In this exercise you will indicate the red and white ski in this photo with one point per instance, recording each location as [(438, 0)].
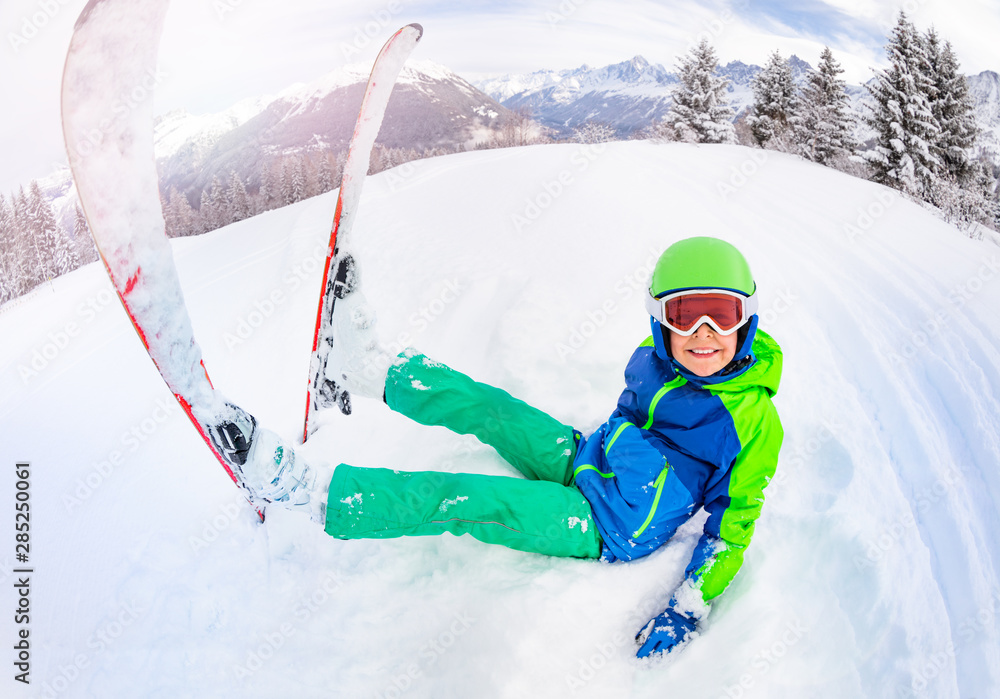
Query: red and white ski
[(339, 272), (112, 57)]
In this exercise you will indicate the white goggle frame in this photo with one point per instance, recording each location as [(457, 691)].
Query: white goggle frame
[(657, 307)]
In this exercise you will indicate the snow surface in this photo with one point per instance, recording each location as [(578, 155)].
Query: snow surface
[(874, 568)]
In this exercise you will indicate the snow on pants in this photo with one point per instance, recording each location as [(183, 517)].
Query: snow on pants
[(542, 513)]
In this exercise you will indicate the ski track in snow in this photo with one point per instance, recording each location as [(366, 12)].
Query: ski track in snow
[(873, 571)]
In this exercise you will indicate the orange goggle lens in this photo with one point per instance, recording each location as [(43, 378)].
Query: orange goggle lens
[(683, 312)]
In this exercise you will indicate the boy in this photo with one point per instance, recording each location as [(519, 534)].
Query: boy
[(694, 427)]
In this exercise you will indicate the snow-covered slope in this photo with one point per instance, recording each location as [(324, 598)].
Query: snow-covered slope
[(873, 571)]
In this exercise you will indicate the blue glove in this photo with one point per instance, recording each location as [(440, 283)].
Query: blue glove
[(664, 632)]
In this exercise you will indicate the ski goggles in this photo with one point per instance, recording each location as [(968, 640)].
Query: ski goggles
[(684, 311)]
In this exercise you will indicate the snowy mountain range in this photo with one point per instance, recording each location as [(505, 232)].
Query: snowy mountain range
[(632, 94), (628, 95), (433, 107)]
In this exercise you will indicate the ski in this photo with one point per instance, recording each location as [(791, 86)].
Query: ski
[(112, 54), (339, 272)]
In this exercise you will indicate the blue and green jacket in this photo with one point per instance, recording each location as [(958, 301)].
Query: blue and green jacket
[(676, 444)]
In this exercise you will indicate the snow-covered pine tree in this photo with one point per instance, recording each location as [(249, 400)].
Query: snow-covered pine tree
[(8, 268), (824, 126), (269, 194), (237, 199), (297, 181), (85, 246), (205, 216), (57, 253), (67, 255), (44, 232), (700, 111), (310, 177), (292, 181), (25, 253), (905, 127), (954, 111), (179, 217), (326, 173), (220, 203), (213, 211), (774, 104), (187, 217), (967, 206), (169, 219)]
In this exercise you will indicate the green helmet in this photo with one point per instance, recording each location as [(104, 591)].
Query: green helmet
[(701, 263)]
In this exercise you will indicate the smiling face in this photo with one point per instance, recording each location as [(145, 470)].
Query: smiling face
[(705, 352)]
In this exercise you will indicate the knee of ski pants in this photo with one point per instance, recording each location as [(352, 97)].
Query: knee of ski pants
[(431, 393)]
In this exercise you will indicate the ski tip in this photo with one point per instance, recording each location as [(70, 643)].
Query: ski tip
[(419, 28)]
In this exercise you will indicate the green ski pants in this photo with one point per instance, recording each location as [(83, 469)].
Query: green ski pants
[(541, 513)]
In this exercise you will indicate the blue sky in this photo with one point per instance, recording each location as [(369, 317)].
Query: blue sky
[(810, 18), (215, 56)]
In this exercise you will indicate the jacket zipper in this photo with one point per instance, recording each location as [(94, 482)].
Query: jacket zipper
[(677, 381), (660, 480)]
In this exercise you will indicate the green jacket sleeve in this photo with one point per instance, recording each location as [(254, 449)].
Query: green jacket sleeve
[(735, 504)]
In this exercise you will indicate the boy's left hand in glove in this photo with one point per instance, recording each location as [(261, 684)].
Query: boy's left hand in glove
[(665, 632)]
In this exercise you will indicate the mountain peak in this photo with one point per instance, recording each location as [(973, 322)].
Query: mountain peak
[(639, 63)]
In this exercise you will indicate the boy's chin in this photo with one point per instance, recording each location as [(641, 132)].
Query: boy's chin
[(701, 368)]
